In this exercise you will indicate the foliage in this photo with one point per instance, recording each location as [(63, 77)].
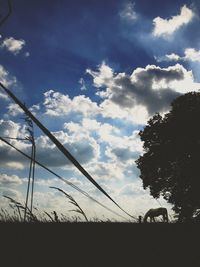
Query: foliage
[(170, 165)]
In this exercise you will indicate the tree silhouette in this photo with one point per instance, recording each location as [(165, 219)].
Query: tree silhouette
[(170, 165)]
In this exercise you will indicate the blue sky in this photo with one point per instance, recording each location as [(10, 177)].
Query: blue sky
[(93, 72)]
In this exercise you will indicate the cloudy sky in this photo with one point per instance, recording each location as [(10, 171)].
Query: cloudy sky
[(93, 72)]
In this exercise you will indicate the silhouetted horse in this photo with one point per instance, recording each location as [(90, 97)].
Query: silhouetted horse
[(152, 213)]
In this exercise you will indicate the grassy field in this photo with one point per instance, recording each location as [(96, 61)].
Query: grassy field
[(100, 244)]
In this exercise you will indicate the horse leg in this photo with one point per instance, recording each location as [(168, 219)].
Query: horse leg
[(166, 217)]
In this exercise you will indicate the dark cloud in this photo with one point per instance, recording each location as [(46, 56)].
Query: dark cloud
[(83, 149), (124, 154), (137, 89), (9, 128)]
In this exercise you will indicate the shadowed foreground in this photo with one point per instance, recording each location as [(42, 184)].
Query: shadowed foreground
[(100, 244)]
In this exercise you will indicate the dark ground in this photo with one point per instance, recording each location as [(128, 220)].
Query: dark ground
[(99, 244)]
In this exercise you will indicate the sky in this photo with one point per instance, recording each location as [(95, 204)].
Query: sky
[(93, 72)]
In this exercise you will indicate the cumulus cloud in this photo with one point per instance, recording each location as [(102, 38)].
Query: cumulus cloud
[(8, 157), (103, 76), (7, 180), (35, 109), (132, 189), (105, 133), (57, 104), (168, 57), (128, 12), (120, 149), (122, 154), (190, 54), (14, 109), (173, 57), (83, 148), (7, 80), (13, 45), (106, 171), (43, 183), (166, 27), (144, 92), (9, 128)]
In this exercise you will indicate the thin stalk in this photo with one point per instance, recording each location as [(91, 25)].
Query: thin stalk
[(72, 201), (67, 154), (64, 180), (29, 178), (33, 175)]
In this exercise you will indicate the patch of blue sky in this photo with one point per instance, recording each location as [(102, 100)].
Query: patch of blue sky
[(154, 8), (3, 109), (103, 157), (195, 67)]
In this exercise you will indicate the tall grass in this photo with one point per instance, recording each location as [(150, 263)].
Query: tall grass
[(18, 210), (77, 209)]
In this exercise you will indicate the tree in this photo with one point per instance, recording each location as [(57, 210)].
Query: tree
[(170, 165)]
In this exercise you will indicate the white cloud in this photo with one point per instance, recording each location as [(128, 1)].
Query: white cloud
[(173, 57), (44, 184), (7, 80), (147, 90), (13, 193), (82, 83), (57, 104), (132, 189), (132, 97), (13, 45), (166, 27), (14, 109), (106, 133), (137, 114), (9, 180), (168, 58), (84, 148), (128, 12), (14, 165), (103, 76), (187, 84), (8, 157), (192, 55), (9, 128), (34, 109), (121, 150), (106, 171)]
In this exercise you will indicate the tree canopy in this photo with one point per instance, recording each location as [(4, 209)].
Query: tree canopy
[(170, 165)]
